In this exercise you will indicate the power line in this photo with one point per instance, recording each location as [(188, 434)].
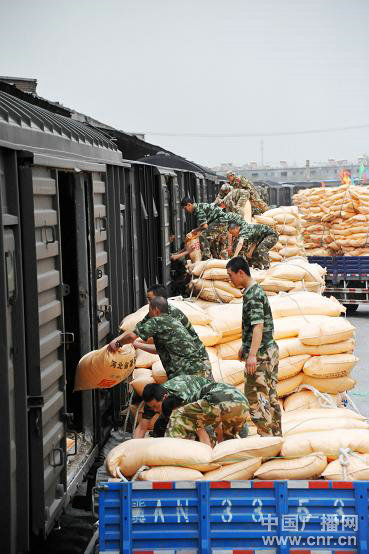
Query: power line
[(259, 135)]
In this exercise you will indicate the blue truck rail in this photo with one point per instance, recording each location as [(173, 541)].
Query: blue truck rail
[(240, 517), (347, 278)]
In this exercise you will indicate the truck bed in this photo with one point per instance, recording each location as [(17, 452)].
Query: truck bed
[(347, 278), (240, 517)]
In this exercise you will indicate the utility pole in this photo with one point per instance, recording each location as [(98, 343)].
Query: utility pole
[(262, 152)]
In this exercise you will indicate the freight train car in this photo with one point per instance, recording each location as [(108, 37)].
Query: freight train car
[(83, 233)]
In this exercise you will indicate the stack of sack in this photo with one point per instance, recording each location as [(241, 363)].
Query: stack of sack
[(286, 221), (210, 281), (329, 443), (292, 275), (335, 220)]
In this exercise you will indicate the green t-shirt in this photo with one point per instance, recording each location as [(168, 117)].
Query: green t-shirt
[(256, 309)]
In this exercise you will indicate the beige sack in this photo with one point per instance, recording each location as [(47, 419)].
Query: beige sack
[(291, 366), (307, 467), (294, 347), (179, 452), (264, 220), (288, 271), (304, 303), (130, 321), (225, 286), (170, 473), (328, 442), (159, 373), (338, 384), (289, 251), (322, 413), (304, 400), (287, 386), (357, 468), (337, 329), (208, 335), (238, 471), (140, 372), (117, 457), (286, 230), (313, 424), (276, 285), (230, 338), (286, 327), (236, 450), (229, 350), (215, 295), (328, 367), (212, 353), (274, 256), (226, 319), (231, 372), (194, 313), (285, 218), (200, 267), (217, 273), (102, 369), (145, 359), (138, 385)]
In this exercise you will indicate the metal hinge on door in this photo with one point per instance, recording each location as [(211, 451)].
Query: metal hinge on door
[(67, 338), (65, 289)]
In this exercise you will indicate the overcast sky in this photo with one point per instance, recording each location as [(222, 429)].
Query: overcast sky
[(203, 66)]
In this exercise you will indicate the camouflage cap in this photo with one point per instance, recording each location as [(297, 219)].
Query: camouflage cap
[(230, 173)]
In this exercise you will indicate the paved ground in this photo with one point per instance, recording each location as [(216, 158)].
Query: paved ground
[(361, 371)]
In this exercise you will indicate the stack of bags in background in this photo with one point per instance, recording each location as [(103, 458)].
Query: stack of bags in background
[(285, 220), (292, 275), (335, 220)]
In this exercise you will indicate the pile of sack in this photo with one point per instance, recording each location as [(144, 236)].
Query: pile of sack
[(335, 220), (286, 221), (210, 281), (329, 443), (292, 275)]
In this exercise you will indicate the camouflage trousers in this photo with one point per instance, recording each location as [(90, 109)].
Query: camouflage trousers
[(260, 256), (261, 392), (188, 419), (209, 240)]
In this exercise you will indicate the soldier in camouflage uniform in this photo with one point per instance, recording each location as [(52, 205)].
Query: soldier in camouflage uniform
[(192, 403), (259, 351), (257, 204), (209, 219), (255, 241), (224, 190), (235, 201), (164, 351)]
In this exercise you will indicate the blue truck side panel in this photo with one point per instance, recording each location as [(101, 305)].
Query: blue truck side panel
[(342, 264), (240, 516)]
